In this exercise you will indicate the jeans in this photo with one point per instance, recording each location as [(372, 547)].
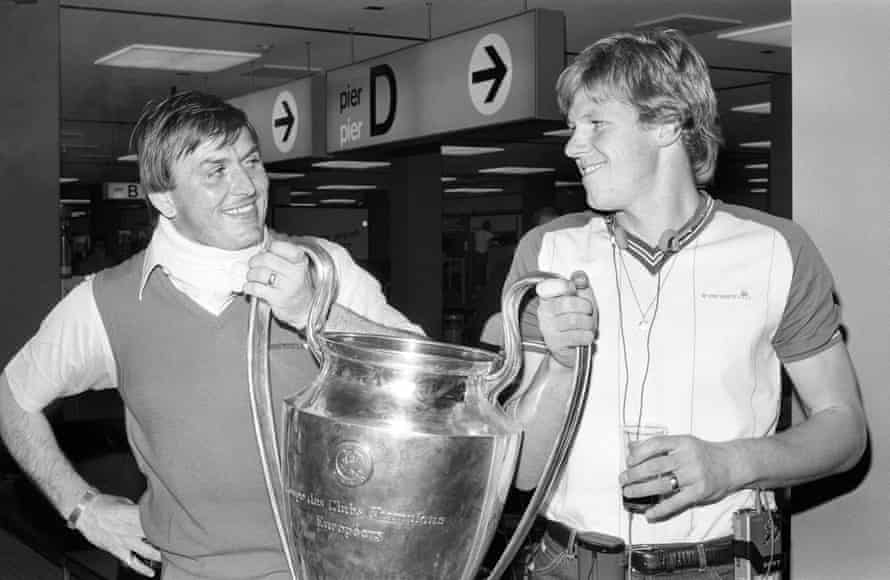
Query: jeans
[(551, 561)]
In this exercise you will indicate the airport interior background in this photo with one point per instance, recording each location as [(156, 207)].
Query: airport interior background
[(400, 129)]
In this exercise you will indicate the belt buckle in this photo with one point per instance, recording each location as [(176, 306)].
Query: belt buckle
[(647, 559)]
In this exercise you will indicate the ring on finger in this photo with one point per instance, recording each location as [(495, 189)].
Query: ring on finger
[(675, 483), (273, 276)]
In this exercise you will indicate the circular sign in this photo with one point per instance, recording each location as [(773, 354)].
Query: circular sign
[(285, 121), (490, 74)]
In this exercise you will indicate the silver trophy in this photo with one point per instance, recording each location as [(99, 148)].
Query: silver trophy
[(395, 463)]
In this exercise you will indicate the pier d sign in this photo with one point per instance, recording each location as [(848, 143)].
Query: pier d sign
[(501, 72)]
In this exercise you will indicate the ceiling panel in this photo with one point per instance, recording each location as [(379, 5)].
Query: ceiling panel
[(101, 103)]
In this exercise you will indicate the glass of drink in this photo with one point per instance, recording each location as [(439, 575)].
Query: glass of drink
[(632, 434)]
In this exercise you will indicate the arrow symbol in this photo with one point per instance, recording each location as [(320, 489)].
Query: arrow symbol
[(495, 73), (286, 121)]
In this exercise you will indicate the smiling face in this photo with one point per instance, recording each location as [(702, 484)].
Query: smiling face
[(220, 194), (615, 153)]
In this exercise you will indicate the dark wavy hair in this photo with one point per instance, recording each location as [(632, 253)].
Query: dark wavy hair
[(660, 74), (173, 127)]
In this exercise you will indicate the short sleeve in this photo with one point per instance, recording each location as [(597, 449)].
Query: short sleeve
[(525, 261), (811, 319), (69, 354), (361, 293)]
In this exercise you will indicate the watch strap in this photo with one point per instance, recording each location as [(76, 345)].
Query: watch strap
[(88, 496)]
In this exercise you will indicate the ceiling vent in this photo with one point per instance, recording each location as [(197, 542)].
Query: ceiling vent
[(690, 24)]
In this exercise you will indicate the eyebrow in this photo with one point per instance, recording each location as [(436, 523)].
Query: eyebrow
[(213, 161), (254, 150)]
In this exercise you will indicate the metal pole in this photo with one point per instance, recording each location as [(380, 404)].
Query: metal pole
[(429, 20)]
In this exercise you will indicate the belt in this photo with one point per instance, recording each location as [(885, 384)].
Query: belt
[(648, 558)]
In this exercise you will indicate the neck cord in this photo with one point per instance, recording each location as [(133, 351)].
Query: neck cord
[(647, 364), (644, 314), (655, 303)]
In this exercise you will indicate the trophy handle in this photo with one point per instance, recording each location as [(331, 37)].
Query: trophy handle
[(507, 373), (258, 381), (501, 378), (325, 291)]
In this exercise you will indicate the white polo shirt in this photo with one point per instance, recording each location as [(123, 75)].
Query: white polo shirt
[(692, 340)]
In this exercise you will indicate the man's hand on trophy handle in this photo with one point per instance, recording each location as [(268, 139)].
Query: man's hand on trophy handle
[(567, 315)]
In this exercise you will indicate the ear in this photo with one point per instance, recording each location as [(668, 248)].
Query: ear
[(163, 202), (668, 133)]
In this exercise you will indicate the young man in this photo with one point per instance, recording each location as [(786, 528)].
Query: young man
[(168, 329), (697, 306)]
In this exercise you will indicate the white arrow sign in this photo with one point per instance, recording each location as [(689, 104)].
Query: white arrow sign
[(285, 121), (490, 74)]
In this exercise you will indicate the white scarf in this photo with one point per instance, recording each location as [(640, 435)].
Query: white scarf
[(210, 276)]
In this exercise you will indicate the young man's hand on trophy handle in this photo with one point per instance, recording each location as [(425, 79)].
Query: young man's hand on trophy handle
[(567, 315)]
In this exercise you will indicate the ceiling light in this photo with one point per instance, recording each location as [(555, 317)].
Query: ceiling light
[(132, 157), (474, 189), (757, 166), (460, 150), (690, 24), (755, 144), (567, 183), (68, 179), (300, 193), (66, 146), (758, 180), (296, 204), (159, 57), (756, 108), (448, 179), (339, 201), (516, 170), (281, 71), (776, 34), (347, 164), (559, 133), (75, 201), (758, 190), (283, 175), (347, 187)]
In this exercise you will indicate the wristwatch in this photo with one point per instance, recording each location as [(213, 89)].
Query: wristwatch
[(88, 496)]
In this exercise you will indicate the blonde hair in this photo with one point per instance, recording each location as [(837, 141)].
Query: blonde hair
[(660, 74)]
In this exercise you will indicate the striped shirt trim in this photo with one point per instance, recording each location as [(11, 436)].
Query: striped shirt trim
[(654, 258)]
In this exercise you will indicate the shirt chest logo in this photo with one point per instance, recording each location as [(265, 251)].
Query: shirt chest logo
[(731, 295)]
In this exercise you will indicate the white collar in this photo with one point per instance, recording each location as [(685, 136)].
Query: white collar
[(210, 276)]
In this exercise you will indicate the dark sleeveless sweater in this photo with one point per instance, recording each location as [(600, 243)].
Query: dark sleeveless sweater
[(182, 374)]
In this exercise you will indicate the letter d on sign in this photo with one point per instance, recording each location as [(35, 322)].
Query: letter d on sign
[(382, 70)]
